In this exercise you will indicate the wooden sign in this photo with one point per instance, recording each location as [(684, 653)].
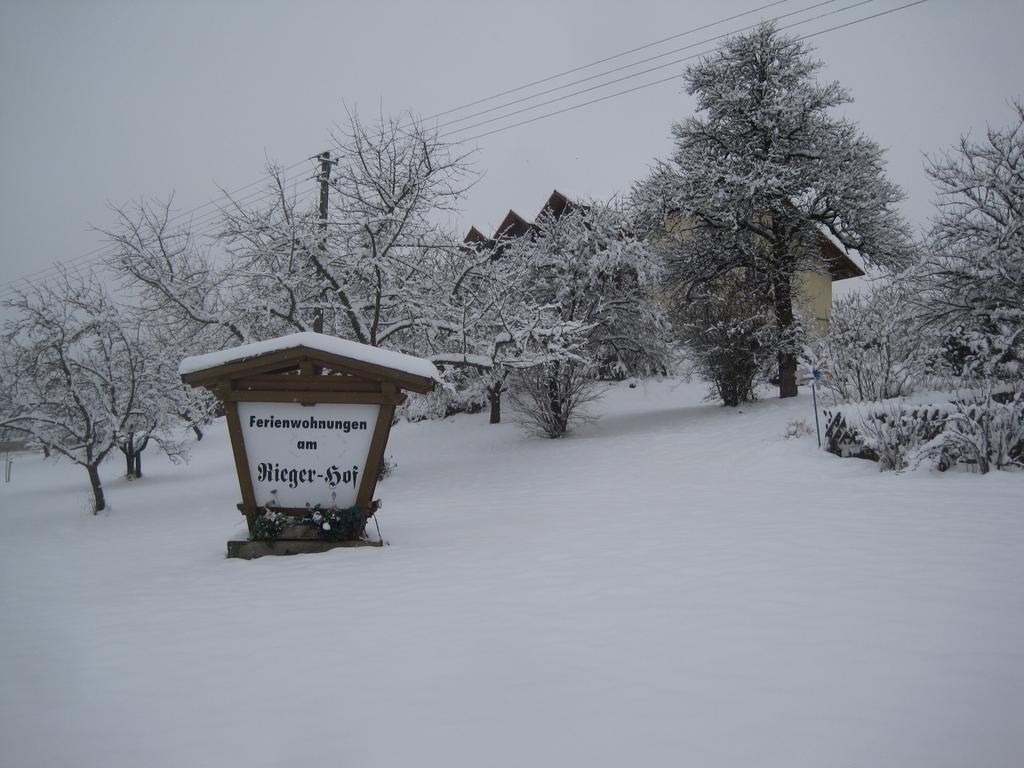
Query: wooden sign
[(309, 417), (301, 455)]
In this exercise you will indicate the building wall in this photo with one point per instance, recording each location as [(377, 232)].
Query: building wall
[(813, 289), (815, 296)]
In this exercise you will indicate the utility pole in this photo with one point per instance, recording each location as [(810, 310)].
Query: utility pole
[(325, 178)]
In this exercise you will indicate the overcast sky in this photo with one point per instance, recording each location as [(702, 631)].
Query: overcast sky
[(106, 102)]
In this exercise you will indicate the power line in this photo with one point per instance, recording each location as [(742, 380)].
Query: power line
[(865, 18), (677, 76), (604, 60), (660, 66), (636, 63)]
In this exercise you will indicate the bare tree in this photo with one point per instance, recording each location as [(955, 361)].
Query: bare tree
[(175, 277), (365, 272), (70, 372), (971, 288), (82, 376), (163, 406)]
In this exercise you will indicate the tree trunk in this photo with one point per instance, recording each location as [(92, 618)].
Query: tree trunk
[(128, 450), (730, 396), (139, 448), (198, 432), (555, 401), (782, 289), (98, 502), (494, 397)]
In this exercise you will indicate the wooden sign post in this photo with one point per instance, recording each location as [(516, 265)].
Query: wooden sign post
[(309, 417)]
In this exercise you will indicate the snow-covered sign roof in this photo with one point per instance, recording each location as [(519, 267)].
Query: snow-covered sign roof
[(383, 362)]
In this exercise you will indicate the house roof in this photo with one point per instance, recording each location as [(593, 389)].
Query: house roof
[(834, 255), (514, 225), (840, 265), (476, 236), (556, 205)]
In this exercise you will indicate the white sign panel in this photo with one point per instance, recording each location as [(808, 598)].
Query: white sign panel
[(307, 454)]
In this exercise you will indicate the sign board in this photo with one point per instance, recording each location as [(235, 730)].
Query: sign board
[(309, 417), (307, 454)]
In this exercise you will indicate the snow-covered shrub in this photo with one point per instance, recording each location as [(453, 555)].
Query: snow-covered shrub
[(985, 351), (388, 465), (980, 430), (892, 434), (461, 392), (843, 439), (797, 428), (985, 433), (727, 329), (871, 350), (719, 305), (550, 397)]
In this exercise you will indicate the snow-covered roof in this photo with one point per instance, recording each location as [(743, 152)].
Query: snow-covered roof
[(843, 266), (331, 345)]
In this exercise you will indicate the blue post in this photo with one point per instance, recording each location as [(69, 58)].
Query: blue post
[(814, 395)]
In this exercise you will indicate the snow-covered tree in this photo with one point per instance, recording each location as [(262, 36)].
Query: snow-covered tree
[(505, 311), (766, 156), (583, 309), (722, 320), (971, 288), (163, 407), (75, 376), (488, 323), (175, 278), (365, 272), (873, 349)]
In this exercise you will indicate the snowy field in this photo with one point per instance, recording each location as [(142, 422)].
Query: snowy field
[(672, 585)]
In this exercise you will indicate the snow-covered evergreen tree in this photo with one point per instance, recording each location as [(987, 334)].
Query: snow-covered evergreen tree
[(766, 156)]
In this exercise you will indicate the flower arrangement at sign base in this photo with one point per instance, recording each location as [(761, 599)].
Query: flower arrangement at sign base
[(269, 525), (336, 524), (327, 523)]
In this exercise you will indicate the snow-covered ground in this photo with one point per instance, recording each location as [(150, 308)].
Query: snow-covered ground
[(674, 584)]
